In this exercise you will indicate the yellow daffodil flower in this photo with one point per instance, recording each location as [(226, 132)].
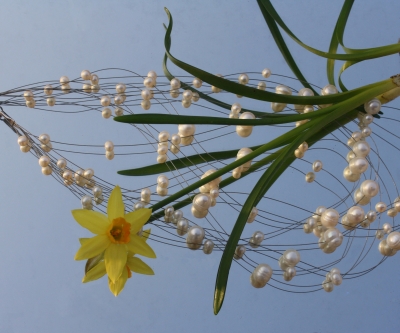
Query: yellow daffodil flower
[(133, 264), (116, 234)]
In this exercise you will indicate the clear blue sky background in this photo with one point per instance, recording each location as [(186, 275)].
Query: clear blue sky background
[(40, 288)]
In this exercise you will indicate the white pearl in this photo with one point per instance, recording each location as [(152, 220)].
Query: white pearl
[(329, 90), (149, 82), (182, 226), (48, 89), (146, 94), (392, 212), (201, 202), (197, 82), (333, 237), (162, 192), (327, 286), (174, 93), (373, 106), (109, 155), (162, 181), (361, 148), (252, 215), (350, 155), (162, 158), (298, 153), (95, 88), (243, 79), (330, 218), (66, 89), (236, 108), (120, 87), (118, 100), (88, 173), (62, 163), (371, 216), (152, 74), (64, 79), (350, 176), (186, 140), (194, 238), (360, 198), (366, 132), (145, 104), (97, 191), (208, 246), (186, 103), (310, 177), (187, 95), (162, 150), (106, 113), (175, 83), (105, 100), (47, 170), (306, 228), (169, 211), (393, 240), (28, 95), (358, 165), (67, 175), (242, 153), (30, 104), (256, 239), (291, 257), (118, 111), (245, 131), (369, 188), (261, 85), (387, 228), (23, 140), (94, 79), (317, 166), (278, 107), (283, 90), (386, 250), (186, 130), (85, 75), (239, 252), (215, 89), (46, 147), (303, 147), (355, 215), (51, 101), (266, 72), (109, 146), (176, 139), (305, 92), (44, 161), (195, 96), (261, 275)]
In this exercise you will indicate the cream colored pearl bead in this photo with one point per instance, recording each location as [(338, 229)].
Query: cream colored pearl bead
[(236, 108), (109, 155), (361, 148), (44, 161), (94, 79), (149, 82), (162, 181), (105, 100), (298, 153), (30, 104), (46, 147), (186, 103), (350, 176), (215, 89), (48, 89), (380, 207), (236, 173), (386, 250), (261, 85), (387, 228), (197, 83), (303, 147), (278, 107), (245, 131), (161, 158), (175, 83), (261, 275), (195, 96), (109, 146), (120, 88), (64, 80), (152, 74), (360, 198), (392, 212), (194, 238), (62, 163), (284, 90), (242, 153), (162, 192), (355, 215), (317, 166), (145, 104), (85, 75), (186, 130), (174, 149), (106, 113), (358, 165), (330, 218), (51, 101), (66, 88), (174, 93), (118, 100), (185, 141), (373, 106), (369, 188), (118, 111), (310, 177), (243, 79), (239, 252), (393, 240), (47, 170), (23, 140), (266, 72)]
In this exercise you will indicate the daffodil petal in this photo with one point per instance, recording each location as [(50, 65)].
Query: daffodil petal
[(115, 259), (95, 273), (93, 221), (92, 247), (139, 266), (91, 262), (138, 218), (146, 233), (83, 240), (139, 246), (117, 287), (115, 206)]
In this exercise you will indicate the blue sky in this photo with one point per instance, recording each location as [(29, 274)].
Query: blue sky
[(41, 287)]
